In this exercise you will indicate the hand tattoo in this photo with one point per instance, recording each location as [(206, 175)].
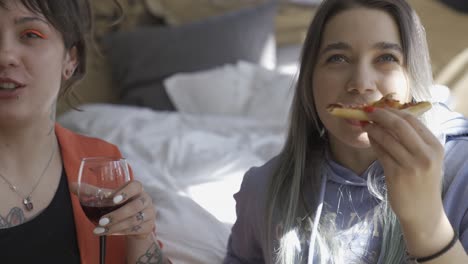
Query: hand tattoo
[(143, 200), (136, 228), (15, 217), (152, 256)]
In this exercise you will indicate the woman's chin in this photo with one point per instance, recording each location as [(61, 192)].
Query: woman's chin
[(359, 141), (362, 141)]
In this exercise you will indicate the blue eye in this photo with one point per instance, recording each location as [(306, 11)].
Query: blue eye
[(337, 59), (387, 58)]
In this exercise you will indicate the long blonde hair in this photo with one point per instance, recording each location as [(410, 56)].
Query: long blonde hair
[(306, 140)]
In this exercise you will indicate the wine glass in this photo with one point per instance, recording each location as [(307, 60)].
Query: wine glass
[(98, 179)]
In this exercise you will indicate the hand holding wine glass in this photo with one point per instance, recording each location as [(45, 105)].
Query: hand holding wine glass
[(117, 205)]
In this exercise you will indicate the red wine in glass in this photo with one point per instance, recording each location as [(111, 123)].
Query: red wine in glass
[(95, 209), (99, 179)]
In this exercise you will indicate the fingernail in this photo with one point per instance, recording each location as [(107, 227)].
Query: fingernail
[(118, 199), (99, 230), (104, 221), (369, 109)]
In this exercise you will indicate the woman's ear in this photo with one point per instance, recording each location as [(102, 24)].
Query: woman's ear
[(70, 63)]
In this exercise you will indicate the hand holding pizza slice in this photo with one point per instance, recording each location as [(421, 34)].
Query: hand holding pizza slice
[(357, 112)]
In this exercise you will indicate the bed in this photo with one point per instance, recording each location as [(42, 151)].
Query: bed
[(191, 165), (192, 161)]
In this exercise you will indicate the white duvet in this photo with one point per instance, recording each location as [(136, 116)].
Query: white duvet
[(190, 164)]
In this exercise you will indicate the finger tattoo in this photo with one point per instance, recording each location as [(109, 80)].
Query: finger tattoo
[(140, 216), (136, 228), (143, 200)]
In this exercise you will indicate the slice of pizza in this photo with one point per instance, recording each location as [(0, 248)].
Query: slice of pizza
[(357, 112)]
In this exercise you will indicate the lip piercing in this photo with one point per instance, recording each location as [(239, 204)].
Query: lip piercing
[(140, 216)]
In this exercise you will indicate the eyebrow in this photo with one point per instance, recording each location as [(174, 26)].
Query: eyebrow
[(336, 46), (23, 20), (380, 45), (388, 45)]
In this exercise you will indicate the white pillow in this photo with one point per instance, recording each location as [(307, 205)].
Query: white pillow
[(223, 90), (271, 96), (441, 93), (243, 89)]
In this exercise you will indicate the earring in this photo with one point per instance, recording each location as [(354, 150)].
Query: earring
[(322, 132), (68, 73), (320, 128)]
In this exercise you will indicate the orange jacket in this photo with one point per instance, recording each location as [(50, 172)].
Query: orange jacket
[(73, 148)]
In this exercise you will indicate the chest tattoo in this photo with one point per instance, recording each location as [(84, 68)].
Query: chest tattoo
[(15, 217)]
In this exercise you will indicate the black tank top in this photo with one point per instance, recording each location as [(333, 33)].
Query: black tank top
[(48, 238)]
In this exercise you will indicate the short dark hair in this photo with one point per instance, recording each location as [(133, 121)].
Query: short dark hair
[(73, 19)]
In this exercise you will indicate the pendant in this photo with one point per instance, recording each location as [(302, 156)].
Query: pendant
[(28, 204)]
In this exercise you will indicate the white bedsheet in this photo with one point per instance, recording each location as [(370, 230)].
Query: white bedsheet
[(191, 165)]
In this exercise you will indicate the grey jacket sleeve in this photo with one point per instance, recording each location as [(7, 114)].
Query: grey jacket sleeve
[(244, 244), (456, 187)]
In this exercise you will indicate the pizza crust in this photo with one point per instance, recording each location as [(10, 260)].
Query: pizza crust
[(415, 109), (418, 109), (349, 113)]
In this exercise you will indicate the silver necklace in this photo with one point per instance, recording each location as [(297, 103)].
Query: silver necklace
[(27, 202)]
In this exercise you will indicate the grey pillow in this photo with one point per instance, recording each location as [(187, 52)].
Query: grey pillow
[(459, 5), (140, 60)]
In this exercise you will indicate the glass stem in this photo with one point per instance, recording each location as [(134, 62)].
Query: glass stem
[(102, 249)]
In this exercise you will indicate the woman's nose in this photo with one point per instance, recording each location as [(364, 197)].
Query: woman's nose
[(8, 54), (361, 80)]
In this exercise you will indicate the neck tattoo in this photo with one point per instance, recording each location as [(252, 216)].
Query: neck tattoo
[(27, 199)]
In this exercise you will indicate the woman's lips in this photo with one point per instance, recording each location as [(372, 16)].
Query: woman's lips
[(7, 94)]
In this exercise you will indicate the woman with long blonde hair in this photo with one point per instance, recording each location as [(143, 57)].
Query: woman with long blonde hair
[(390, 191)]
